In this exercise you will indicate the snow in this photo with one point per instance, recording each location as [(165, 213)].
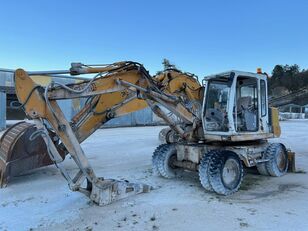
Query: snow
[(41, 200)]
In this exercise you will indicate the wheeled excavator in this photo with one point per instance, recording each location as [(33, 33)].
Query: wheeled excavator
[(222, 125)]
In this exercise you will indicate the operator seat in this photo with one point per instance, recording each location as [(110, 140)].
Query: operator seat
[(247, 116), (243, 103)]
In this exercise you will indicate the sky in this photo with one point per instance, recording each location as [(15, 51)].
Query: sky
[(201, 37)]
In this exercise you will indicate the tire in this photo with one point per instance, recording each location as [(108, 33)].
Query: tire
[(225, 172), (168, 136), (155, 157), (277, 164), (262, 169), (162, 159), (203, 171), (163, 135)]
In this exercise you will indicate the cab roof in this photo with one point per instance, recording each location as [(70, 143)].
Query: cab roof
[(227, 74)]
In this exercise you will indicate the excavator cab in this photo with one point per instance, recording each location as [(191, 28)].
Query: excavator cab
[(236, 125), (235, 107)]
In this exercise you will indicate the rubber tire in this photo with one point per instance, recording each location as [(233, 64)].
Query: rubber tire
[(203, 170), (216, 166), (271, 165), (155, 156), (168, 136), (262, 169), (160, 161), (163, 135)]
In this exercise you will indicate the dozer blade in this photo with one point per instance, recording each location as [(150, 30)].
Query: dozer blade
[(18, 154)]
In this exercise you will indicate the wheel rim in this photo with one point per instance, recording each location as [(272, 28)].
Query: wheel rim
[(231, 173), (281, 160)]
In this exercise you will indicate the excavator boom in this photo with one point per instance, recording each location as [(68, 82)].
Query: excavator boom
[(117, 89)]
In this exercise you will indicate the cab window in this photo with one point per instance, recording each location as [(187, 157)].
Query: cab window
[(216, 106), (246, 104), (263, 97)]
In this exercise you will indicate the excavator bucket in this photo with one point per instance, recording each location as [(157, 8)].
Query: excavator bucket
[(18, 154)]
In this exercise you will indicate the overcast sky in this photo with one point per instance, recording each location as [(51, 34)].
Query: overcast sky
[(202, 37)]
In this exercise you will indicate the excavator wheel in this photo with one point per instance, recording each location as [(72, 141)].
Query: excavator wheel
[(155, 157), (262, 169), (162, 160), (168, 136), (204, 170), (225, 172), (18, 154), (277, 155), (162, 136)]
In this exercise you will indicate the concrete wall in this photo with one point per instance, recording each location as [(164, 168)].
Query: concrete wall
[(291, 115), (138, 118)]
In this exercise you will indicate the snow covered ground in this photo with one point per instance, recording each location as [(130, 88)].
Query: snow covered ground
[(41, 199)]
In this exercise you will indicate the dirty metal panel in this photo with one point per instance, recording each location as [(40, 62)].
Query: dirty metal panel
[(16, 157), (191, 153)]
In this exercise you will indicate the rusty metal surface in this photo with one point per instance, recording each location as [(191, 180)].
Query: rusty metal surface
[(18, 154), (291, 158), (186, 165)]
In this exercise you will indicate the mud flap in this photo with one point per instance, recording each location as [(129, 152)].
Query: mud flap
[(291, 158)]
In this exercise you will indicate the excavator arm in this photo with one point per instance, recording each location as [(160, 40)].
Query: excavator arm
[(115, 90)]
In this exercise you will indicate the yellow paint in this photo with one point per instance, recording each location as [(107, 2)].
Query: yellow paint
[(275, 121), (180, 84), (42, 80), (170, 82)]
